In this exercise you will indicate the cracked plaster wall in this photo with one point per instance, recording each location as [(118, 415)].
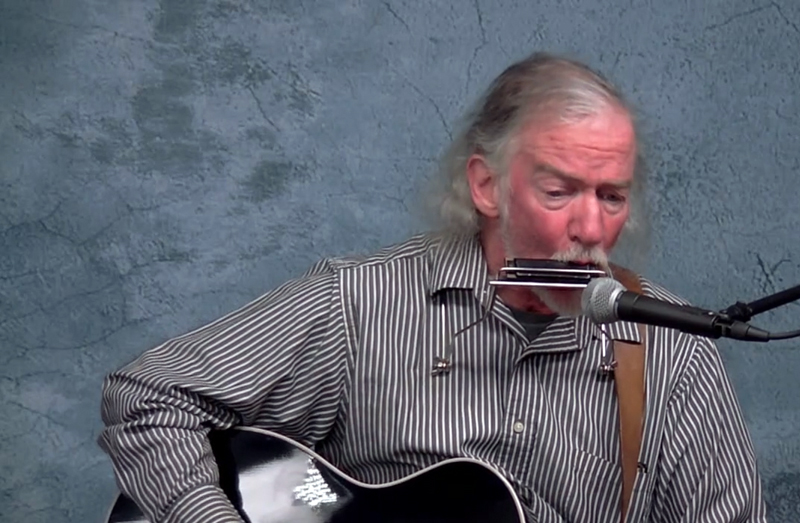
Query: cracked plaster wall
[(164, 161)]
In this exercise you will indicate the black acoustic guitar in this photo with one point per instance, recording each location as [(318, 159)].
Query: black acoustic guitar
[(272, 479)]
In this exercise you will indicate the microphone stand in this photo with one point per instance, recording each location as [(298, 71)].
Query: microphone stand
[(740, 311)]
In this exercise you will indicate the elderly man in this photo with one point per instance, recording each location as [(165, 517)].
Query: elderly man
[(395, 361)]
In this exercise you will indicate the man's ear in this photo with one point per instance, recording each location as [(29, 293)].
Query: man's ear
[(484, 186)]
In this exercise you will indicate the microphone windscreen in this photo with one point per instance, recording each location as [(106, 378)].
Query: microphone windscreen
[(598, 299)]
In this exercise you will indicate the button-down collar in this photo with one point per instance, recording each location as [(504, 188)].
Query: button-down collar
[(458, 262)]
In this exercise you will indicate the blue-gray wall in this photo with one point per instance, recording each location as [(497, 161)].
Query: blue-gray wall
[(163, 162)]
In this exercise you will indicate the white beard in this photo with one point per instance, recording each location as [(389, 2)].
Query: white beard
[(564, 302)]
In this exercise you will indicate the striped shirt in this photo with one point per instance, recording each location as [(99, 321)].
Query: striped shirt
[(342, 359)]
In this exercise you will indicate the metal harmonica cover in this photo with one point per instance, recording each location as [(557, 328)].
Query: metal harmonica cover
[(546, 273)]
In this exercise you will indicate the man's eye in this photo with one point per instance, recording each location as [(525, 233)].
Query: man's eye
[(555, 194), (613, 198)]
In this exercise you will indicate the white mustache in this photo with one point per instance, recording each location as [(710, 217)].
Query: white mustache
[(578, 252)]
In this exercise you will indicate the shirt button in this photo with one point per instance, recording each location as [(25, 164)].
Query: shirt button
[(519, 427)]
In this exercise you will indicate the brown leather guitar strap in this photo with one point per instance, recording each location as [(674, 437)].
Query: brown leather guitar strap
[(629, 382)]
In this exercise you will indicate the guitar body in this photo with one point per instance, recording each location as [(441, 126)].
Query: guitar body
[(272, 479)]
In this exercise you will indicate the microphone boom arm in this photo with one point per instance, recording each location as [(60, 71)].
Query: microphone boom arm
[(741, 311)]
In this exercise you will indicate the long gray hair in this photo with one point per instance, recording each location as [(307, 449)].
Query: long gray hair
[(541, 87)]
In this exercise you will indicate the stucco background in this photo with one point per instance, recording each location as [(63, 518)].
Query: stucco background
[(163, 162)]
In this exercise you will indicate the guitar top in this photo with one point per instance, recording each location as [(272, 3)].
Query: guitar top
[(270, 479)]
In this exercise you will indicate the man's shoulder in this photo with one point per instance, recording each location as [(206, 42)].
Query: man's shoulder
[(685, 347), (416, 248), (658, 291)]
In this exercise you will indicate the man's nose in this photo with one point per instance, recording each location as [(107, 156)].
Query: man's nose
[(586, 225)]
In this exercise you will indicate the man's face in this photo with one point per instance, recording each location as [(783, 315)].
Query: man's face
[(568, 189)]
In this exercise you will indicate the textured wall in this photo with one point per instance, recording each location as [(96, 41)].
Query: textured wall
[(163, 162)]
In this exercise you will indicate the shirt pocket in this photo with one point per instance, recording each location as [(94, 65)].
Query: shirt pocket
[(598, 487)]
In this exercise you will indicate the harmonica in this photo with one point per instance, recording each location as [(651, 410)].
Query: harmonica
[(546, 273)]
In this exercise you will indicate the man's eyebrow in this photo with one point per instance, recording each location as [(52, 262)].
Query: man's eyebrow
[(558, 173)]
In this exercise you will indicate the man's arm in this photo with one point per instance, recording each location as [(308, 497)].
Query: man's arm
[(708, 469), (278, 363)]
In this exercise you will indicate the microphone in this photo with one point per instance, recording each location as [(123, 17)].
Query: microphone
[(605, 300)]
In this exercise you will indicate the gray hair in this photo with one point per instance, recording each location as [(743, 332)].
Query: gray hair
[(541, 87)]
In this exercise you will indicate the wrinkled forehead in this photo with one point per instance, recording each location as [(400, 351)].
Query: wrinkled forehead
[(607, 135)]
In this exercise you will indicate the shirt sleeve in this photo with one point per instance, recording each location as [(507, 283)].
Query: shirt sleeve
[(708, 466), (278, 363)]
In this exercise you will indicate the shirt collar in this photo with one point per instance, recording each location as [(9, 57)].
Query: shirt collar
[(575, 334), (620, 331), (459, 263)]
